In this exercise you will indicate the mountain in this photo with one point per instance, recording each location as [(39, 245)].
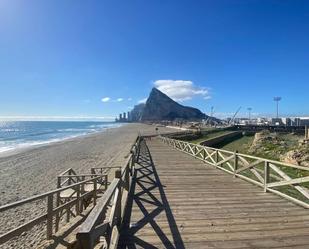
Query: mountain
[(160, 107), (137, 112)]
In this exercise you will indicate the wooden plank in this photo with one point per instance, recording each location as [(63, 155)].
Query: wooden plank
[(204, 206)]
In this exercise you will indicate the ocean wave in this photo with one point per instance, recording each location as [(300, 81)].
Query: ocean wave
[(24, 145), (30, 137), (9, 130), (75, 130)]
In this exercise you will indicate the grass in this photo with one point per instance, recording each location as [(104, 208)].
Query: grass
[(242, 145), (210, 135), (273, 152), (269, 151)]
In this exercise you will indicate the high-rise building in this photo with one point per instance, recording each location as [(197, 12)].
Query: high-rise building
[(124, 116)]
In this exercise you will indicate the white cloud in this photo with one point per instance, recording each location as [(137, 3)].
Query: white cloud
[(106, 99), (181, 90), (129, 99), (119, 99), (142, 101), (207, 97)]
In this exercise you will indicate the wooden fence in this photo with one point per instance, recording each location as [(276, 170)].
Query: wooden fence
[(105, 220), (55, 209), (286, 180)]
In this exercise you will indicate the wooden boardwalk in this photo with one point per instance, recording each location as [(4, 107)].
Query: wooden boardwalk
[(177, 201)]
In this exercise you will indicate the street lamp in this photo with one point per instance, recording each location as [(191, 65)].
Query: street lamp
[(212, 111), (249, 110), (277, 99)]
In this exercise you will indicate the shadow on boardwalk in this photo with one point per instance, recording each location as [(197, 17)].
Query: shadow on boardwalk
[(147, 201)]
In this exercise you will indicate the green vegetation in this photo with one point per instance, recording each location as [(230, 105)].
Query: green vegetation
[(210, 135), (241, 145), (269, 145), (267, 149), (275, 150)]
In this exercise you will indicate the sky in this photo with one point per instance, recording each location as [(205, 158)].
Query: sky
[(76, 58)]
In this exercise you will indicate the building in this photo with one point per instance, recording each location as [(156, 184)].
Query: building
[(287, 121), (276, 121), (304, 121)]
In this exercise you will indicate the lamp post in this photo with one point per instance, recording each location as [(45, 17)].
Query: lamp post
[(249, 111), (211, 111), (277, 99)]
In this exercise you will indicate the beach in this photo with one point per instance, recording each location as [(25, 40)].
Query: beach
[(34, 171)]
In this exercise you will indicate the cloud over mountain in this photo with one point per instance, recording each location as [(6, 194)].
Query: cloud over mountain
[(181, 90)]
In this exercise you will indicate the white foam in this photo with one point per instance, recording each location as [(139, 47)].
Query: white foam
[(8, 146)]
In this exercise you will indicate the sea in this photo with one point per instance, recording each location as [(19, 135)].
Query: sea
[(22, 134)]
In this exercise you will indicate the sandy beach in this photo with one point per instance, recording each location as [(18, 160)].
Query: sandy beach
[(34, 171)]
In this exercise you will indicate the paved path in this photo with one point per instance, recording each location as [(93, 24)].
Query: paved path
[(179, 202)]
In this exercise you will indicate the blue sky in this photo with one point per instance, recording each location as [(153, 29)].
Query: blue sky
[(61, 58)]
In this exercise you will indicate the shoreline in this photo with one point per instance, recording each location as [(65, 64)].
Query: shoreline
[(34, 171), (17, 150)]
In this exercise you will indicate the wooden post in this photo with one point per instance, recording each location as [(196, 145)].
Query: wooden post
[(235, 162), (70, 179), (50, 200), (105, 182), (118, 199), (266, 175), (58, 203), (118, 173), (78, 201), (131, 165), (127, 180), (217, 157), (306, 133), (94, 192)]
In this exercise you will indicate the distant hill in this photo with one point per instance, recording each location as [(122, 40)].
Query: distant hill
[(160, 107)]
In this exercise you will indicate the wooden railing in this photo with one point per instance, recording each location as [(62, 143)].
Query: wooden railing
[(94, 187), (105, 220), (286, 180), (55, 209)]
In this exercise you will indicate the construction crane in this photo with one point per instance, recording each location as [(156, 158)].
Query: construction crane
[(211, 115), (233, 118)]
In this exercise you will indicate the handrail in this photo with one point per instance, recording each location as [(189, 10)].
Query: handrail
[(262, 172), (119, 188), (253, 157), (83, 175), (40, 196), (114, 199)]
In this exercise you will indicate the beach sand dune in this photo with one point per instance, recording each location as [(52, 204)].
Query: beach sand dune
[(34, 171)]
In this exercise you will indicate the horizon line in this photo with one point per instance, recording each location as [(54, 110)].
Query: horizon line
[(57, 118)]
